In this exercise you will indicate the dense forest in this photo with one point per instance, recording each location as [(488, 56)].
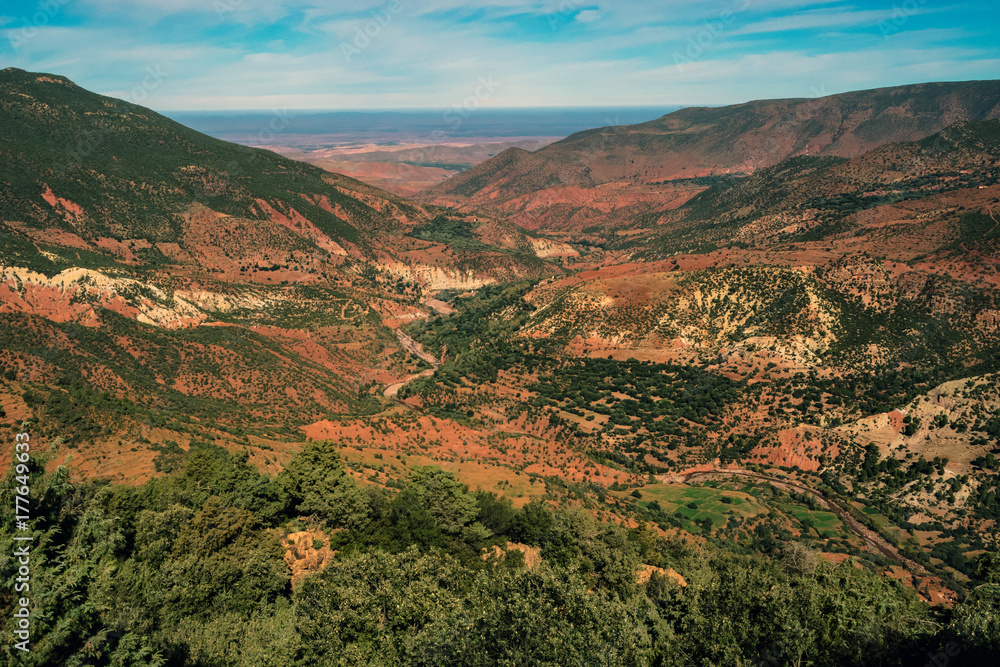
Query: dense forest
[(188, 570)]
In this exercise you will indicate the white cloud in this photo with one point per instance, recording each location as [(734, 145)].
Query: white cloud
[(781, 74), (807, 20), (423, 58), (149, 12)]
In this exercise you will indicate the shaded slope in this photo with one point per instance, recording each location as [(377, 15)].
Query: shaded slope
[(741, 138)]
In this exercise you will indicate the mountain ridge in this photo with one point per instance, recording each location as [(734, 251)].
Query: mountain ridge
[(706, 141), (121, 181)]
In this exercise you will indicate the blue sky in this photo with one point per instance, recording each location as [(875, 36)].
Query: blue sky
[(299, 54)]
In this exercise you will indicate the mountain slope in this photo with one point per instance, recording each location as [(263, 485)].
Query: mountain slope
[(203, 290), (835, 318), (810, 198), (125, 171), (110, 178), (614, 168)]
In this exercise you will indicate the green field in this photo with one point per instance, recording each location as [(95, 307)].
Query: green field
[(826, 524), (718, 504), (676, 499)]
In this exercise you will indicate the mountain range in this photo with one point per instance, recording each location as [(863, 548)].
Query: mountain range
[(806, 292), (607, 175)]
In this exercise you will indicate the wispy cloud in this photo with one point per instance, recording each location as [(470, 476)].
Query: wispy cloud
[(429, 53), (822, 19)]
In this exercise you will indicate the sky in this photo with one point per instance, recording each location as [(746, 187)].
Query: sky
[(441, 54)]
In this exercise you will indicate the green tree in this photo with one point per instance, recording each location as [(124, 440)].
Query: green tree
[(317, 483), (372, 609), (542, 617), (453, 509), (496, 513), (975, 623)]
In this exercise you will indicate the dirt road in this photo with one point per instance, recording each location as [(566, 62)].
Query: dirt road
[(413, 347), (392, 391)]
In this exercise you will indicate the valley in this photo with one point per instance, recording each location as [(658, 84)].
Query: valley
[(754, 339)]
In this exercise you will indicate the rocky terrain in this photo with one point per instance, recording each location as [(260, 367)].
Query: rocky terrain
[(776, 322)]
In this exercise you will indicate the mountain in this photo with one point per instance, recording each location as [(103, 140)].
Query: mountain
[(118, 181), (809, 198), (803, 355), (601, 176), (183, 280), (835, 317)]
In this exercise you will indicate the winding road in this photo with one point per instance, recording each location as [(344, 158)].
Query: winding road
[(413, 347)]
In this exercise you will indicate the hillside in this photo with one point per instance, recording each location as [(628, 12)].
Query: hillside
[(601, 176), (835, 319), (834, 199), (116, 180), (217, 289)]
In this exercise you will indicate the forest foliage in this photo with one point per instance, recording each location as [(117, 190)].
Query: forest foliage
[(187, 570)]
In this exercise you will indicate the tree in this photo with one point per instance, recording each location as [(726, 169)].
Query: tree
[(445, 499), (798, 558), (317, 483), (533, 523), (987, 567), (496, 513), (372, 609), (537, 617), (975, 622)]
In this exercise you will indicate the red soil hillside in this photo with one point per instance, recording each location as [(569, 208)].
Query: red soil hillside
[(698, 142)]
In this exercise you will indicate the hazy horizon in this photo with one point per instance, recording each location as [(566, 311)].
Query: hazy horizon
[(392, 126)]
